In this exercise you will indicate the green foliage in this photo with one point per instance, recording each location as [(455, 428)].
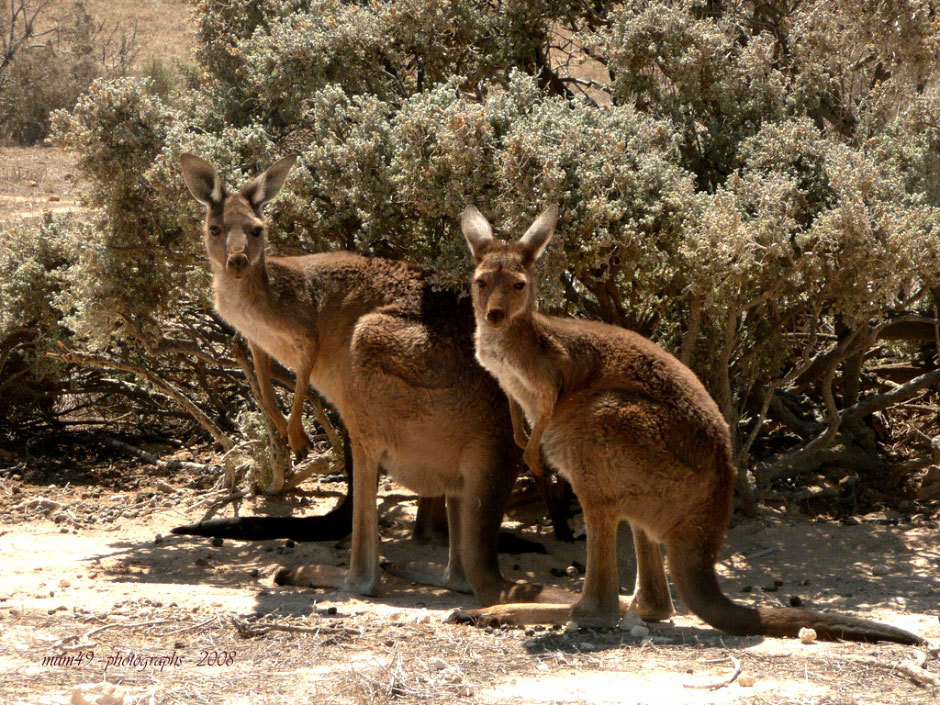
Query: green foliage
[(749, 183), (34, 267)]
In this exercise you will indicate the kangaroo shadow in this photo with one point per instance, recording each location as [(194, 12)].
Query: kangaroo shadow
[(764, 562)]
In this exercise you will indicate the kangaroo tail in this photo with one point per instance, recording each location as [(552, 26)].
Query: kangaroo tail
[(697, 584)]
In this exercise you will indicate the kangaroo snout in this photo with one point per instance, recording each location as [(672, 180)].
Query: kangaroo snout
[(237, 263), (495, 316)]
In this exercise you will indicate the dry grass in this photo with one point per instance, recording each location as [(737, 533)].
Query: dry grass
[(165, 28), (34, 181)]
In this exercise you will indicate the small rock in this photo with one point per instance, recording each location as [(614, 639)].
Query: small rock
[(44, 504), (103, 693), (217, 541), (807, 635), (930, 484), (254, 573), (795, 601), (158, 539), (530, 632), (578, 530), (488, 630), (331, 610), (586, 646), (571, 572), (32, 184), (289, 543), (880, 569), (640, 632), (437, 664), (571, 627), (630, 620), (163, 486), (745, 680), (53, 198)]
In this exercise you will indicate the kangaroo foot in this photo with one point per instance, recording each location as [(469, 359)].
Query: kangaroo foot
[(649, 610), (594, 619), (327, 576), (429, 574), (517, 614)]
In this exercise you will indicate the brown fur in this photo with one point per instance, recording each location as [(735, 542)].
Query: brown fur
[(394, 357), (635, 433)]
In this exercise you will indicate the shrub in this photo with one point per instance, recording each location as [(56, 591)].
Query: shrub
[(754, 185)]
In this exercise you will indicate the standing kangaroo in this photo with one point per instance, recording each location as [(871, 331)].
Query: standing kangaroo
[(635, 433), (394, 357)]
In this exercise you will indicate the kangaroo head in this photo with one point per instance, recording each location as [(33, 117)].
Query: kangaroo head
[(503, 282), (234, 231)]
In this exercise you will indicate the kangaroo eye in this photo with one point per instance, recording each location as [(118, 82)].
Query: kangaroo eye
[(481, 283), (215, 230), (256, 232), (519, 286)]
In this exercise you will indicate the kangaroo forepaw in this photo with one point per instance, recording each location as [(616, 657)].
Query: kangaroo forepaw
[(475, 618), (299, 444)]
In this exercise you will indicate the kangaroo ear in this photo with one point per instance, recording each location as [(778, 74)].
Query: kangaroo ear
[(477, 231), (265, 186), (203, 183), (539, 233)]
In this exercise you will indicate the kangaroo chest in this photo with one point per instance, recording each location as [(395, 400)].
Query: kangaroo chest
[(262, 331), (514, 384)]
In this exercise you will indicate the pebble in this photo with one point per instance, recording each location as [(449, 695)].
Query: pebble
[(571, 571), (795, 601), (217, 541), (807, 635), (630, 620), (880, 569), (45, 504), (437, 664), (571, 627), (745, 680), (102, 693)]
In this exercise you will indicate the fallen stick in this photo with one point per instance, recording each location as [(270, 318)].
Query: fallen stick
[(151, 459), (910, 669), (84, 641), (719, 684), (246, 629)]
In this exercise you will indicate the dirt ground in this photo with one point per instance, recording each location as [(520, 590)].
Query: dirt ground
[(93, 589), (35, 181)]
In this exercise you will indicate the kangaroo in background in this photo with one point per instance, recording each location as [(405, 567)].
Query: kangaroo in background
[(394, 357), (635, 433)]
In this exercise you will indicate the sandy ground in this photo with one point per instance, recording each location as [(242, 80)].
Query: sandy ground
[(80, 552)]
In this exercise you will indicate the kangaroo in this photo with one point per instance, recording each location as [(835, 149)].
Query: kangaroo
[(395, 358), (635, 433)]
